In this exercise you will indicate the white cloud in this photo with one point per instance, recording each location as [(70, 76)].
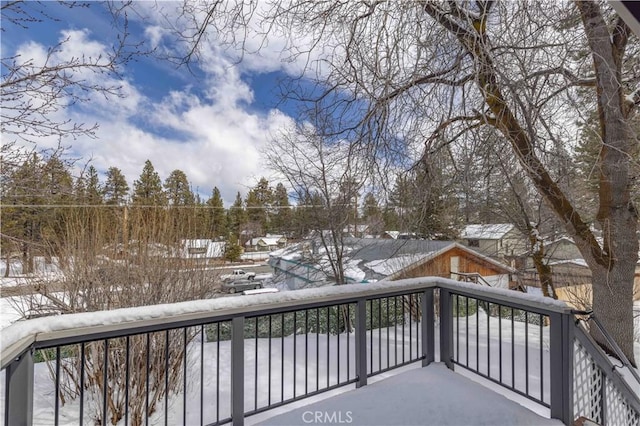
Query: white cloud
[(218, 150), (215, 141), (213, 134)]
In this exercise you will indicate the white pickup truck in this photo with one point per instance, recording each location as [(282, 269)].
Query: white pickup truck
[(238, 274)]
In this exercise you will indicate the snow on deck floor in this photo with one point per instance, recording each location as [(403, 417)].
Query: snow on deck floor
[(426, 396)]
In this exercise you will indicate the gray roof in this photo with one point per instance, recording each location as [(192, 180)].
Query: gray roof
[(370, 249)]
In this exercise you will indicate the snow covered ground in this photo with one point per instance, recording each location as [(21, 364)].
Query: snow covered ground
[(41, 267)]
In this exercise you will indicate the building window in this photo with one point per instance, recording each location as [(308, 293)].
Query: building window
[(473, 243)]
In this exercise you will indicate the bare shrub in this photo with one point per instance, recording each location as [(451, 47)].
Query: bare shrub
[(103, 271)]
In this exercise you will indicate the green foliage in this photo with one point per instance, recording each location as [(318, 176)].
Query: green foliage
[(43, 355), (372, 215), (322, 320), (387, 312), (282, 218), (26, 226), (232, 251), (303, 217), (258, 203), (147, 190), (178, 190), (464, 307), (311, 214), (215, 218), (419, 203), (381, 313), (370, 208), (115, 189), (236, 216), (87, 188)]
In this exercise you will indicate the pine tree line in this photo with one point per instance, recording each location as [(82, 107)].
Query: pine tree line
[(41, 198)]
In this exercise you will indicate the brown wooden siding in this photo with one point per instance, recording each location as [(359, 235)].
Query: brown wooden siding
[(441, 266)]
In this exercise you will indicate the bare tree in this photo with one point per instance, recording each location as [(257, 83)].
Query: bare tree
[(34, 91), (326, 180), (421, 72), (103, 276), (506, 196)]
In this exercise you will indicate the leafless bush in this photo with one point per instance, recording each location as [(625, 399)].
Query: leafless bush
[(103, 271)]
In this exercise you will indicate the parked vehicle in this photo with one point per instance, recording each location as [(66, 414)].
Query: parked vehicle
[(237, 286), (238, 274)]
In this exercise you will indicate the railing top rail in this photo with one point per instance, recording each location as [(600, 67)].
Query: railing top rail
[(18, 337), (507, 297)]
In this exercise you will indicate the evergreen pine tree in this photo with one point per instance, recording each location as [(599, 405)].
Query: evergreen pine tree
[(115, 189), (232, 251), (58, 190), (178, 195), (281, 221), (147, 190), (93, 191), (236, 218), (371, 215), (21, 219), (258, 204), (177, 189), (216, 218)]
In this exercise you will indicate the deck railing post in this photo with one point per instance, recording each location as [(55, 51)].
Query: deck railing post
[(561, 367), (446, 328), (361, 343), (428, 341), (19, 391), (237, 371)]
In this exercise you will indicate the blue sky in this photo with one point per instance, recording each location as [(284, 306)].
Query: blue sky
[(211, 122)]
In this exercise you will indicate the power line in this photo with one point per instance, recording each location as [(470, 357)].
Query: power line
[(200, 207), (195, 207)]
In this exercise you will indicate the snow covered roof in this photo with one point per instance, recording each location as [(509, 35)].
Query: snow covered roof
[(563, 239), (203, 248), (577, 262), (371, 249), (387, 267), (392, 234), (267, 241), (494, 231), (370, 258)]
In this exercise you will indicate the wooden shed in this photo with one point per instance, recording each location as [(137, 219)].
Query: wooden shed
[(461, 263)]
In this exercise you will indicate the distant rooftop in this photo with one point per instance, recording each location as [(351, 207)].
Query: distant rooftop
[(370, 249), (494, 231)]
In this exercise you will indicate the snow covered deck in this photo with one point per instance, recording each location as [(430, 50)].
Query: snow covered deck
[(426, 396)]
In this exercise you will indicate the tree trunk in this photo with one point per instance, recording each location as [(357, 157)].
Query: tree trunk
[(612, 307), (8, 265), (545, 276), (27, 259), (613, 280), (612, 263)]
